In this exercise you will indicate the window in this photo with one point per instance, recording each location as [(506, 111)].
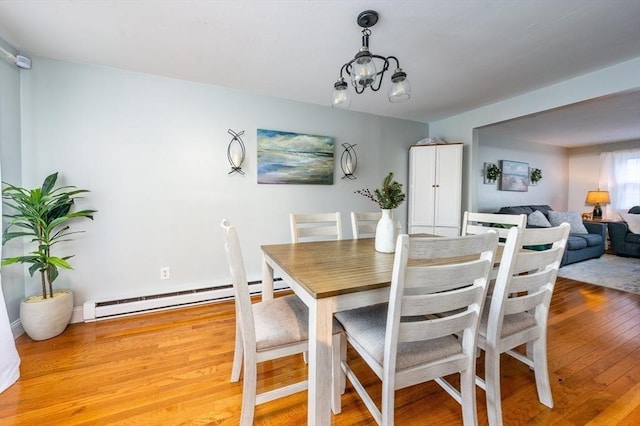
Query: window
[(621, 177)]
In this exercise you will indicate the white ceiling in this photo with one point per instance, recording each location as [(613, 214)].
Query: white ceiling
[(458, 54)]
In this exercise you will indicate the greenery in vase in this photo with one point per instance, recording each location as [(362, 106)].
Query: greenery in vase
[(389, 196), (536, 175), (42, 215), (493, 172)]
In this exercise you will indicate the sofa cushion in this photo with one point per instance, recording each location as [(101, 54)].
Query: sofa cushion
[(576, 243), (516, 210), (537, 218), (545, 209), (591, 239), (633, 221), (572, 218), (632, 238)]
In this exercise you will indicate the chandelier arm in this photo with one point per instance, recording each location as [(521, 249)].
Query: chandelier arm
[(380, 74), (345, 68), (359, 91), (395, 59)]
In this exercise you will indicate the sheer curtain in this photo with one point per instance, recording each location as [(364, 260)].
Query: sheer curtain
[(621, 177), (9, 358)]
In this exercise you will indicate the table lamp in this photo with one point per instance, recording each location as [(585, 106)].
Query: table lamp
[(597, 197)]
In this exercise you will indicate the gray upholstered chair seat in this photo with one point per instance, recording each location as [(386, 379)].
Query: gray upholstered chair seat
[(367, 326), (282, 321), (510, 324)]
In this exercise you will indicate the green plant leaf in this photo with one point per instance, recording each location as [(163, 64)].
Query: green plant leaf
[(43, 216)]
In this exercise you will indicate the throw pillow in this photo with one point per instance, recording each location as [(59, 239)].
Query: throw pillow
[(572, 218), (633, 221), (538, 218)]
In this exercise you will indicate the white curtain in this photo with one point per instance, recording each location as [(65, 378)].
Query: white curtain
[(620, 175), (9, 358)]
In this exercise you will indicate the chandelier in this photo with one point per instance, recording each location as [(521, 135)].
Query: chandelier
[(365, 73)]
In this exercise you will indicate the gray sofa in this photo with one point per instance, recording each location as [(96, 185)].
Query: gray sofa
[(579, 246), (624, 242)]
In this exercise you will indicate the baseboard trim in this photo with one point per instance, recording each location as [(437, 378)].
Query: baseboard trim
[(16, 329)]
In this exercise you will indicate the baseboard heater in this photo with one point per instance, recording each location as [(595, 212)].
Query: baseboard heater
[(95, 311)]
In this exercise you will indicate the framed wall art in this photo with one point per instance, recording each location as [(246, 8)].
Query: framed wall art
[(515, 176), (294, 158)]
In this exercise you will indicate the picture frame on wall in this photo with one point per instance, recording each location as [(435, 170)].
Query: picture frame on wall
[(294, 158), (515, 176)]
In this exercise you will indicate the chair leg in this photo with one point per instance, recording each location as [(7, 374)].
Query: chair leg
[(249, 386), (337, 375), (387, 412), (492, 385), (468, 396), (541, 371), (237, 356), (343, 358)]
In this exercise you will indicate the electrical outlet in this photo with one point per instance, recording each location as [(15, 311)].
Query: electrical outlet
[(164, 273)]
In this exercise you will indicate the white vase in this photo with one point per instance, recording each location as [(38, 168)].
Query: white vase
[(386, 232), (46, 318)]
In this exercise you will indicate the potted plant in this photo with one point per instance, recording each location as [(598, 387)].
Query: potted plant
[(536, 175), (493, 172), (42, 215), (388, 197)]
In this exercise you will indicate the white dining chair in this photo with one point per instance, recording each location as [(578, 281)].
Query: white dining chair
[(363, 224), (411, 339), (268, 330), (517, 311), (315, 226)]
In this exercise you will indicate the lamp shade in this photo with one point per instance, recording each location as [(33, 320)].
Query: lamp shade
[(363, 71), (340, 97), (597, 197), (400, 89)]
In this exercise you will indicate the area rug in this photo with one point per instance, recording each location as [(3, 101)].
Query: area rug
[(622, 273)]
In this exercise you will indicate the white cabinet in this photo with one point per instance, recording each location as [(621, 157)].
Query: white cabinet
[(435, 189)]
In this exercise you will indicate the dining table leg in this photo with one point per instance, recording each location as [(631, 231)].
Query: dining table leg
[(267, 280), (320, 340)]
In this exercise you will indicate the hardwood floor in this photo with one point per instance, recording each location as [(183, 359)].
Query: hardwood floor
[(173, 367)]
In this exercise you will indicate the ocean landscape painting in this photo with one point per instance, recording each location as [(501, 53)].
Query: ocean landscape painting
[(515, 176), (294, 158)]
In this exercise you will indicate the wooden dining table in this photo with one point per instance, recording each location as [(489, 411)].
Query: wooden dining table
[(328, 276)]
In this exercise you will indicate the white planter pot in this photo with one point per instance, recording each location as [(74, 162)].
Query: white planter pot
[(386, 233), (46, 318)]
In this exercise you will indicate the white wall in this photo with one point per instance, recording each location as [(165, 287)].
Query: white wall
[(12, 278), (553, 161), (614, 79), (153, 152)]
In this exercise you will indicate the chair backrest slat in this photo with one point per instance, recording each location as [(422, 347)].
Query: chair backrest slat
[(478, 223), (436, 327), (364, 224), (443, 277), (315, 226)]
